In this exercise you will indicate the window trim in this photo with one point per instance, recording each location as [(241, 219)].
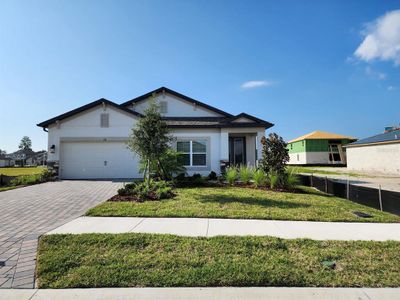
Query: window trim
[(192, 167)]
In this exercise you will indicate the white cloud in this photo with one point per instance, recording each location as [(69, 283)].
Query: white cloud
[(256, 84), (375, 74), (382, 39), (391, 88)]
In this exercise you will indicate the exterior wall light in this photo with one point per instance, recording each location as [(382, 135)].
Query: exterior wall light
[(53, 149)]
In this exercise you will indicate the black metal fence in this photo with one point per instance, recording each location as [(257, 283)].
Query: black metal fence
[(380, 199), (5, 180)]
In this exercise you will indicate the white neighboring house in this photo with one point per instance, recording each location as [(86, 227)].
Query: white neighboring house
[(379, 153), (89, 142)]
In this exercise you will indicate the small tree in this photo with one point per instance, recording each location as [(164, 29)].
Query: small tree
[(25, 144), (150, 139), (3, 152), (275, 154)]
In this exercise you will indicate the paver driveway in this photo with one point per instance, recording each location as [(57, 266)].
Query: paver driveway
[(28, 212)]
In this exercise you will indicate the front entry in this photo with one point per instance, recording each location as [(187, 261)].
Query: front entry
[(237, 151)]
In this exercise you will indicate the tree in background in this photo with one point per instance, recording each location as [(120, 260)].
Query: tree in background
[(275, 154), (3, 152), (151, 140), (25, 144)]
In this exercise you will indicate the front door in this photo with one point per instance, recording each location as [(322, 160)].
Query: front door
[(237, 151)]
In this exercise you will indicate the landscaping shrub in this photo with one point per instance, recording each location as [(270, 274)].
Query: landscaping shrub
[(273, 180), (231, 175), (190, 181), (245, 174), (31, 179), (146, 190), (212, 176), (259, 178), (291, 180)]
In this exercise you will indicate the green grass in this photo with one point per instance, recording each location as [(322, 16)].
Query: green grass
[(320, 171), (141, 260), (245, 203), (6, 188), (22, 171)]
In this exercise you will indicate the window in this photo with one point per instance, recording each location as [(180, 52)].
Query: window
[(194, 152), (104, 120), (163, 107)]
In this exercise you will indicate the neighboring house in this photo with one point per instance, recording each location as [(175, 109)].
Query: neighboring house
[(6, 161), (89, 142), (379, 153), (319, 148), (23, 157)]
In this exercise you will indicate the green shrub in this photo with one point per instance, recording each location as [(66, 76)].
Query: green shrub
[(190, 181), (212, 176), (291, 180), (259, 178), (273, 180), (231, 175), (31, 179), (245, 174), (147, 190)]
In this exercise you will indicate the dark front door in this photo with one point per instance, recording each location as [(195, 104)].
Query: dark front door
[(237, 151)]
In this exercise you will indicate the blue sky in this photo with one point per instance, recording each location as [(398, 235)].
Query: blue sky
[(303, 65)]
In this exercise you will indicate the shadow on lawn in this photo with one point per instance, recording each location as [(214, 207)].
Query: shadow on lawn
[(225, 199)]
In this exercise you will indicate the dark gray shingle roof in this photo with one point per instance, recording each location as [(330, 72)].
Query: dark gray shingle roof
[(380, 138)]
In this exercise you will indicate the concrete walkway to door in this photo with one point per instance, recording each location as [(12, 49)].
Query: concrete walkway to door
[(213, 227)]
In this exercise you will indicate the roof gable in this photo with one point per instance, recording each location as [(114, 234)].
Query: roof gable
[(84, 108), (191, 101)]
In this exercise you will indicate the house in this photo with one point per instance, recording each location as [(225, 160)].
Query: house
[(23, 157), (319, 148), (89, 142), (379, 153), (28, 157), (6, 161)]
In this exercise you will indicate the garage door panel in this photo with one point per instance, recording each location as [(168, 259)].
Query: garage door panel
[(97, 160)]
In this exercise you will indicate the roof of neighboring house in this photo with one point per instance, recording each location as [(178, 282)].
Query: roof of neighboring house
[(4, 157), (322, 135), (179, 95), (226, 120), (83, 108), (383, 138)]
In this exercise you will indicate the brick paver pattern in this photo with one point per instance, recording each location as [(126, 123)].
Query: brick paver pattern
[(27, 213)]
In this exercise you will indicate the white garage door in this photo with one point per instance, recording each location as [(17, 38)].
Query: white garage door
[(97, 160)]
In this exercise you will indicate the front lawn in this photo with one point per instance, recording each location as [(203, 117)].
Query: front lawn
[(16, 171), (144, 260), (245, 203)]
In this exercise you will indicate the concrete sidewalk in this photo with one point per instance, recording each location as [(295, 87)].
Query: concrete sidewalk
[(230, 293), (213, 227)]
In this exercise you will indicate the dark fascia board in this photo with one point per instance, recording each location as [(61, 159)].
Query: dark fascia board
[(250, 117), (179, 95), (233, 125), (86, 107), (211, 119)]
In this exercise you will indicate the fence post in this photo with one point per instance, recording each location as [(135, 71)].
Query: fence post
[(348, 189), (311, 180), (326, 184), (380, 198), (1, 179)]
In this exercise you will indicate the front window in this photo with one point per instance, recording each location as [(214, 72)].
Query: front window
[(193, 152)]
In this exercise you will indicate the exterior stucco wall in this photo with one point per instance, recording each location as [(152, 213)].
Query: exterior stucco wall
[(375, 158), (177, 107), (87, 125)]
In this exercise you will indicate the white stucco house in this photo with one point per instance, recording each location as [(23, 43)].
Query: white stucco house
[(379, 153), (89, 142)]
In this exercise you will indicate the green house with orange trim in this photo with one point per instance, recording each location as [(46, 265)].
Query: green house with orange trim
[(319, 148)]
